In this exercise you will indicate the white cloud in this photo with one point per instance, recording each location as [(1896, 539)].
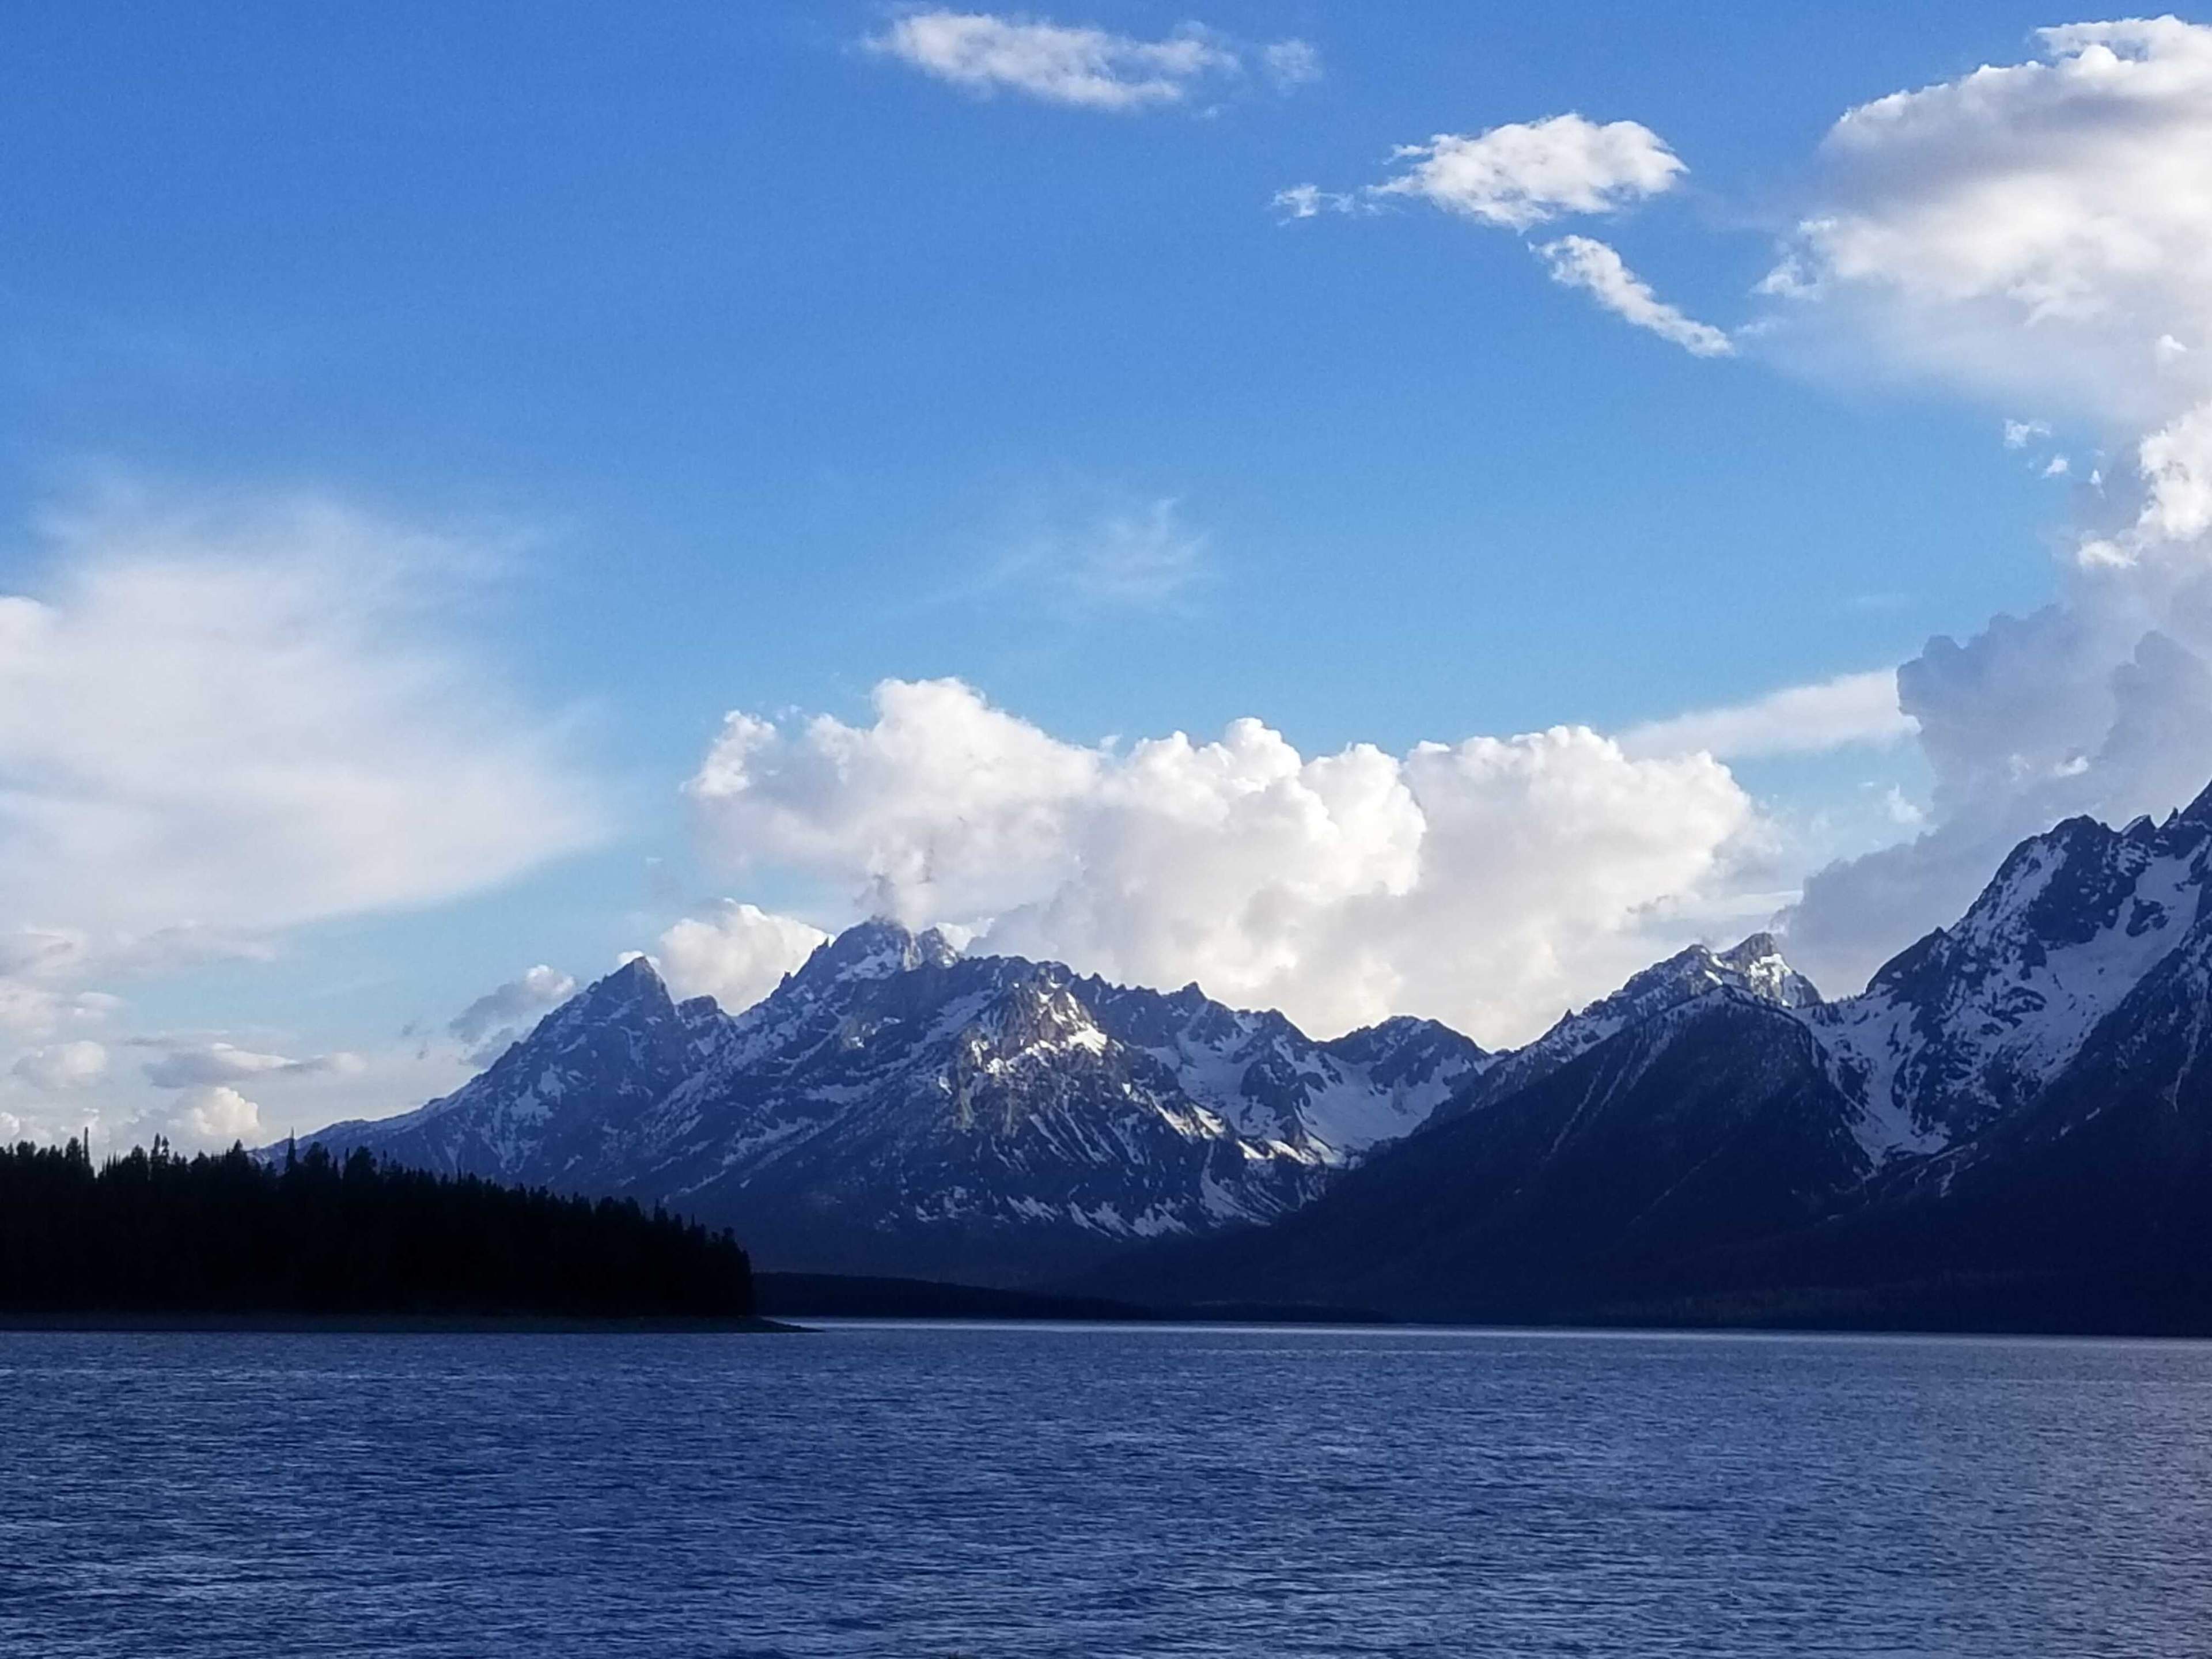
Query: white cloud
[(1083, 67), (218, 1115), (189, 1063), (246, 721), (494, 1020), (220, 721), (1798, 720), (39, 969), (2067, 203), (63, 1065), (939, 808), (1311, 201), (1525, 173), (1489, 882), (1581, 261), (736, 955), (2036, 234)]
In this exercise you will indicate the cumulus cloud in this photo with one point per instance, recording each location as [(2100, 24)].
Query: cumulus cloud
[(2062, 202), (496, 1018), (1490, 882), (218, 1115), (1082, 67), (63, 1065), (736, 955), (1798, 720), (2036, 234), (1584, 263), (1526, 173)]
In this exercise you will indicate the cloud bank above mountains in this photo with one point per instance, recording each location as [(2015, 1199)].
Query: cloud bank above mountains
[(1491, 881)]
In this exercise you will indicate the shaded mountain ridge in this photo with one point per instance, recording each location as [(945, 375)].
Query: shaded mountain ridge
[(2011, 1126)]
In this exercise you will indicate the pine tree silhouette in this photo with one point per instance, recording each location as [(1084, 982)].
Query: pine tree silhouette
[(154, 1232)]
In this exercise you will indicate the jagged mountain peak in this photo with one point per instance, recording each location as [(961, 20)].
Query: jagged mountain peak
[(875, 948), (2200, 810), (636, 977), (1754, 968), (1766, 973), (1971, 1021)]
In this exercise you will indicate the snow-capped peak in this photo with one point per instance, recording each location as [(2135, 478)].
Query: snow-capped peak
[(1971, 1021), (877, 949), (1754, 968), (1759, 963)]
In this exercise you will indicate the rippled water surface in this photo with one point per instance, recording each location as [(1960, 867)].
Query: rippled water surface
[(1031, 1492)]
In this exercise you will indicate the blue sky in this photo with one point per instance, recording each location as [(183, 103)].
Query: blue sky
[(752, 367)]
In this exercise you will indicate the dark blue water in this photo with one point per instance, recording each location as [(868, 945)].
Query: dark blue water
[(1025, 1493)]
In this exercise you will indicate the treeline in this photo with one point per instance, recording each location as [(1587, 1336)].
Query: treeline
[(158, 1233)]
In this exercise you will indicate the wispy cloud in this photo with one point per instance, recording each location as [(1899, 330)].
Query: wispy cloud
[(1083, 67), (221, 720), (1584, 263), (195, 1063), (1125, 556), (1527, 173), (494, 1019), (1798, 720), (1310, 201)]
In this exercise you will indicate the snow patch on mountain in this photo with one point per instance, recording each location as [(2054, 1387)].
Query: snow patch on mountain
[(1969, 1023), (898, 1087)]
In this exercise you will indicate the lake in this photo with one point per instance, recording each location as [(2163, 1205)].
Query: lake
[(1029, 1491)]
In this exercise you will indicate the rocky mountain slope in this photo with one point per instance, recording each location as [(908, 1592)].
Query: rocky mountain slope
[(895, 1107)]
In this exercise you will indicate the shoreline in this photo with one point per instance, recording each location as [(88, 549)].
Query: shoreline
[(386, 1324)]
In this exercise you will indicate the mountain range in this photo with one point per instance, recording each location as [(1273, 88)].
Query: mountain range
[(2011, 1124), (896, 1107)]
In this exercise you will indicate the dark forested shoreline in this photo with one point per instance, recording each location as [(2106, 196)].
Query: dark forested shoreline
[(161, 1237)]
